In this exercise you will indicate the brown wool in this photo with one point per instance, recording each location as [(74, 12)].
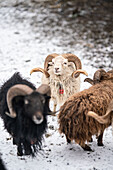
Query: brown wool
[(73, 119)]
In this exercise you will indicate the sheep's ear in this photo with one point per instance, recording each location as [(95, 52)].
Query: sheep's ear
[(47, 103), (46, 96), (99, 75), (71, 65)]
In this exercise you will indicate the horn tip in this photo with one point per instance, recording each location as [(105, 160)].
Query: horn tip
[(31, 72)]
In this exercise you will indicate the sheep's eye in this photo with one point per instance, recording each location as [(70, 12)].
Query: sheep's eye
[(49, 65), (65, 63), (26, 101)]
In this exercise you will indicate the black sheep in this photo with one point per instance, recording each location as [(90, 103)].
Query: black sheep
[(2, 167), (24, 110)]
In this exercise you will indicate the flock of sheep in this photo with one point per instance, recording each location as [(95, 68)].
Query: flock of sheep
[(24, 108)]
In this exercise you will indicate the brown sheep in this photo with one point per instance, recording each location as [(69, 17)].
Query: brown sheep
[(73, 119)]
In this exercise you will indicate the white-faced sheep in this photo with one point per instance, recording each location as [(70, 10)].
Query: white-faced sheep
[(61, 73), (73, 119), (24, 110)]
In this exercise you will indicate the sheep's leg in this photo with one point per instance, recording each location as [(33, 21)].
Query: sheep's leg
[(27, 147), (86, 147), (100, 140), (19, 150), (54, 109), (68, 140), (91, 140), (14, 141)]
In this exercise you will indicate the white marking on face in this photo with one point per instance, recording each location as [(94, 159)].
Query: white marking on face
[(59, 64), (38, 119)]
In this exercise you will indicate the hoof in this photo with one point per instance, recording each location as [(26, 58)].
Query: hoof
[(14, 142), (87, 148), (53, 115), (19, 151), (28, 152), (100, 144), (19, 154), (91, 140), (68, 140)]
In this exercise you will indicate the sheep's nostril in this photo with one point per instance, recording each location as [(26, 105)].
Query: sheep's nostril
[(56, 69), (39, 118)]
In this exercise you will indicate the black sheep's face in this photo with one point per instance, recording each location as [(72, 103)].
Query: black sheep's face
[(34, 105)]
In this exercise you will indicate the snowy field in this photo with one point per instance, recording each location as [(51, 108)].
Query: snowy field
[(27, 36)]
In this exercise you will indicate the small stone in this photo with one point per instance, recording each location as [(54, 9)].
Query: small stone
[(51, 127), (47, 135)]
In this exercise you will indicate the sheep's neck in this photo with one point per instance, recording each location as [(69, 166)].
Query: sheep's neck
[(61, 91), (60, 86)]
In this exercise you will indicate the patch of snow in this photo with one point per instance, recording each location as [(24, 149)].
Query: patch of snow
[(23, 48)]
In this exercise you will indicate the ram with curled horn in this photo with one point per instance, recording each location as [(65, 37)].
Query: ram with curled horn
[(24, 111), (62, 74), (77, 115)]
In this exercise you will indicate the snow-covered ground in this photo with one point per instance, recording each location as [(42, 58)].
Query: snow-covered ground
[(27, 36)]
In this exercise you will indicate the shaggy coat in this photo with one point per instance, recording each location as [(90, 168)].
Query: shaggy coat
[(61, 73), (2, 167), (73, 119), (26, 134), (104, 118), (62, 87)]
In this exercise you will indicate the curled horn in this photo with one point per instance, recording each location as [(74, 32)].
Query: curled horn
[(89, 80), (73, 58), (14, 91), (40, 70), (109, 75), (105, 118), (45, 70), (44, 89), (75, 73), (100, 119), (49, 59), (98, 76)]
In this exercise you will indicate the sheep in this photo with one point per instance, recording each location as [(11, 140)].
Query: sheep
[(104, 118), (24, 111), (61, 73), (73, 119)]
